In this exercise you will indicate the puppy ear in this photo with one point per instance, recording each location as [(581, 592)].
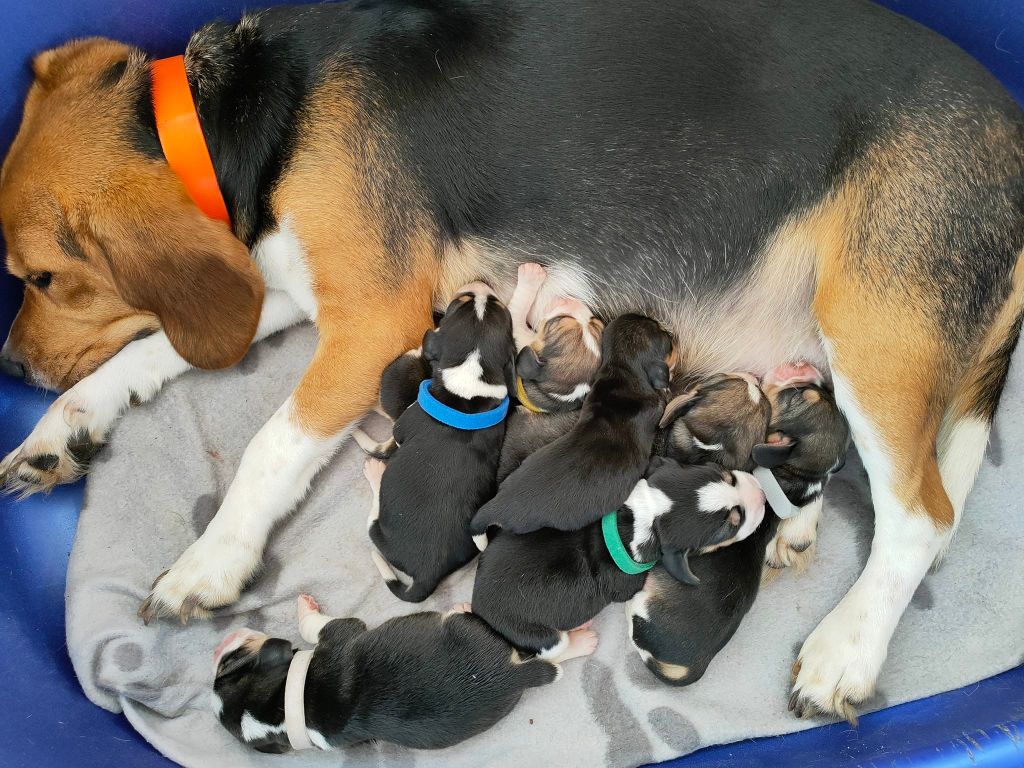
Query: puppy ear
[(656, 463), (658, 374), (431, 346), (273, 653), (678, 406), (677, 563), (771, 455), (168, 258), (529, 365), (510, 377)]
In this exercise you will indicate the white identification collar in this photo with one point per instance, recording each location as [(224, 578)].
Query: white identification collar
[(773, 493), (294, 704)]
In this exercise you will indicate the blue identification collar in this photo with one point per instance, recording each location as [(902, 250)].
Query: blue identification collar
[(455, 418)]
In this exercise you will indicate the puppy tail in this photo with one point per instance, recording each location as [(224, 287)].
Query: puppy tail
[(416, 592), (371, 447)]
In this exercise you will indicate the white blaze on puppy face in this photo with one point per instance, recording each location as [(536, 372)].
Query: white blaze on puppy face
[(746, 494), (465, 380)]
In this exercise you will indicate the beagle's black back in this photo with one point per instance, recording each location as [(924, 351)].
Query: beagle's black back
[(590, 471)]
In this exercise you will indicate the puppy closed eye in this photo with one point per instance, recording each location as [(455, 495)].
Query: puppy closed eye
[(40, 280)]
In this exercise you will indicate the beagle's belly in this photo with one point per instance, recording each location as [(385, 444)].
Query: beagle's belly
[(761, 318)]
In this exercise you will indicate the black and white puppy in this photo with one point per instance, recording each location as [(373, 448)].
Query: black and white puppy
[(579, 477), (720, 419), (534, 588), (678, 631), (399, 385), (427, 681), (426, 495)]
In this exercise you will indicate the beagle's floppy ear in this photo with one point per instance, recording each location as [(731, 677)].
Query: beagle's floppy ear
[(770, 455), (678, 406), (168, 258), (529, 365), (658, 374), (431, 346), (677, 563)]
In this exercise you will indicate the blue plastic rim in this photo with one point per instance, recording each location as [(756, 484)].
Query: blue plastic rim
[(47, 721)]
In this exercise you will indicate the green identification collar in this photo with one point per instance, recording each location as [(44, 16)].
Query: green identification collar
[(618, 551)]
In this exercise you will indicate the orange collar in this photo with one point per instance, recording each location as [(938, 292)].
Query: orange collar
[(177, 125)]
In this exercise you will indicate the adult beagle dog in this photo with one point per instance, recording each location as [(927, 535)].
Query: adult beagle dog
[(785, 181)]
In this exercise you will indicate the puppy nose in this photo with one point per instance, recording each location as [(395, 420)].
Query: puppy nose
[(12, 367)]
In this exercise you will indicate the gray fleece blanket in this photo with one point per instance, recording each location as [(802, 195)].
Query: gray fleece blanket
[(157, 485)]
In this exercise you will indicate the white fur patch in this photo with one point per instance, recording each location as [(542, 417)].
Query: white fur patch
[(704, 446), (718, 495), (254, 730), (465, 379), (216, 704), (578, 393), (961, 449), (480, 305), (557, 649), (647, 503), (281, 258), (318, 740)]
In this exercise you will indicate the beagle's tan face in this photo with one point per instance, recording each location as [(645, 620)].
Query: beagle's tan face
[(103, 235)]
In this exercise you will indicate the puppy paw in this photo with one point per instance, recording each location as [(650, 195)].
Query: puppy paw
[(462, 608), (531, 275), (306, 606), (210, 574), (837, 667), (582, 642), (57, 451), (793, 545), (373, 471)]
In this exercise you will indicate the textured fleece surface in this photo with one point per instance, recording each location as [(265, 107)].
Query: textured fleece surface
[(168, 464)]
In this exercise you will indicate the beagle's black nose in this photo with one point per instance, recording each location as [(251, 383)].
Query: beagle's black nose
[(12, 367)]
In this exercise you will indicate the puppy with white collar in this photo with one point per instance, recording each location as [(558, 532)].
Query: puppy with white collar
[(427, 681), (534, 588), (678, 631), (576, 479), (448, 442)]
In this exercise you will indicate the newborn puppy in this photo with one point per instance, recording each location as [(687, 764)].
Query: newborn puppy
[(534, 588), (553, 370), (426, 681), (441, 474), (579, 477), (678, 631), (719, 420), (807, 442)]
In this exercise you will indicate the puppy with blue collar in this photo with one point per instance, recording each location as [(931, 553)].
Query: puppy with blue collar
[(535, 588), (429, 680), (574, 481), (448, 443)]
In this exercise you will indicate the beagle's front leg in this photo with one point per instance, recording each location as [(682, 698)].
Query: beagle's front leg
[(338, 388), (72, 430)]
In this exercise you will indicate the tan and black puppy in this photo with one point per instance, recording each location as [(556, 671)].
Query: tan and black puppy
[(720, 419), (554, 368), (536, 587), (678, 630), (579, 477), (443, 471), (427, 681)]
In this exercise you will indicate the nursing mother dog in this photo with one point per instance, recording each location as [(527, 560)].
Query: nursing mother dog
[(773, 181)]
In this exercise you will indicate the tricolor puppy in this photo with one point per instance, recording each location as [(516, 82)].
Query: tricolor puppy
[(554, 369), (448, 442), (427, 681), (807, 442), (719, 420), (677, 630), (576, 479), (533, 588)]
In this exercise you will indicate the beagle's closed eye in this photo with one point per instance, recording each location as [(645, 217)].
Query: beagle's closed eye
[(40, 280)]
